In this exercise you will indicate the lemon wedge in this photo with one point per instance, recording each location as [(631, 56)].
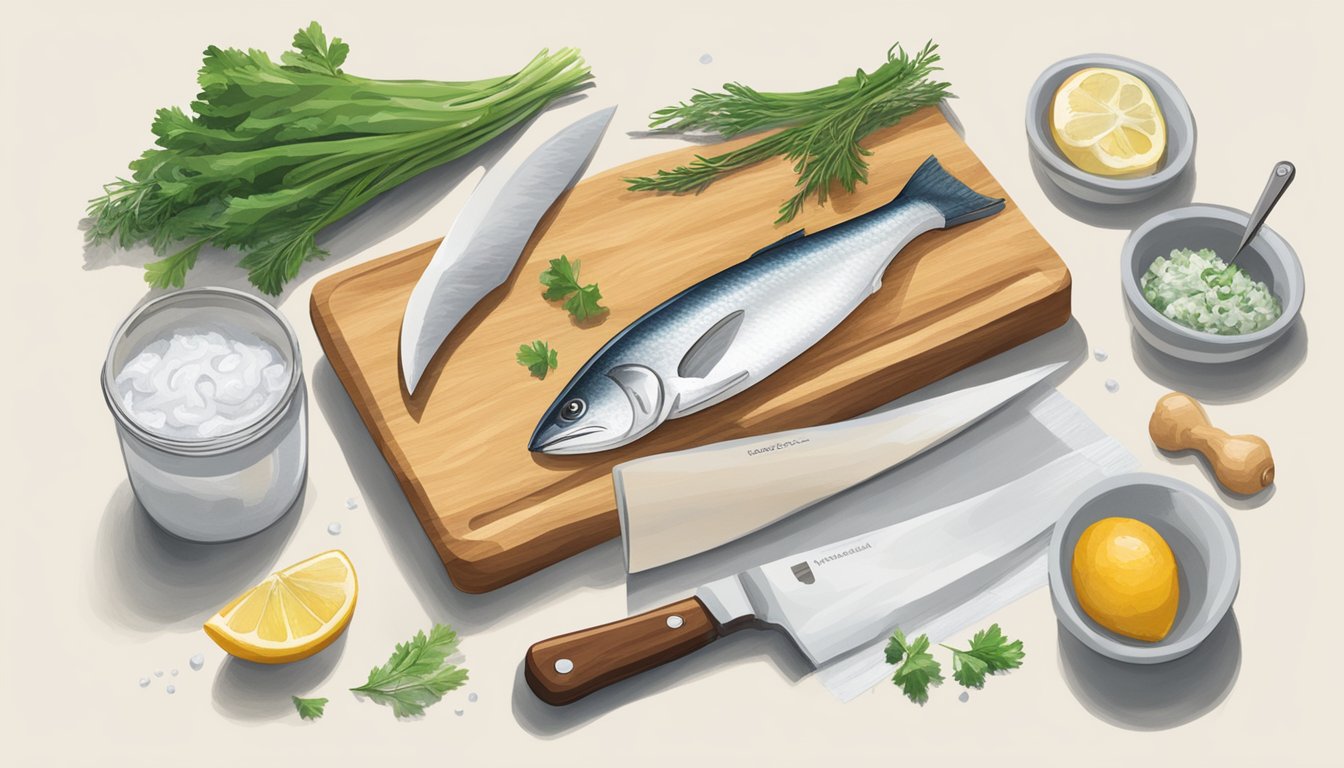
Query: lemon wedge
[(1107, 122), (292, 614), (1125, 578)]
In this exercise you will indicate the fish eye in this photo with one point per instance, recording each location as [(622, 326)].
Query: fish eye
[(573, 409)]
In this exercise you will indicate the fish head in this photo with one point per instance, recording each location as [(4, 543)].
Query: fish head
[(602, 409)]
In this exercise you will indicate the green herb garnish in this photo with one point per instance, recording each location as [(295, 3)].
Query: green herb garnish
[(822, 127), (918, 669), (562, 279), (271, 154), (1199, 291), (538, 357), (417, 674), (990, 652), (310, 709)]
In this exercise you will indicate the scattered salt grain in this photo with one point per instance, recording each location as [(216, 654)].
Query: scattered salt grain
[(1100, 355), (334, 529), (458, 712), (171, 689), (964, 697), (173, 672), (197, 662), (471, 697), (1112, 385), (706, 59), (144, 682), (158, 673), (350, 503)]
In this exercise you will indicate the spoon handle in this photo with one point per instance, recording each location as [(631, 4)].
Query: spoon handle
[(1279, 179)]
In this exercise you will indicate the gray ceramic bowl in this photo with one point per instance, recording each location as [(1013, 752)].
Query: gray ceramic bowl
[(1268, 258), (1200, 535), (1104, 189)]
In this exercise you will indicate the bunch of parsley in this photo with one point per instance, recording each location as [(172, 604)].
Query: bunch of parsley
[(273, 153)]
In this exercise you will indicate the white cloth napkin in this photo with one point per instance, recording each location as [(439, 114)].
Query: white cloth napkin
[(975, 596), (1040, 449)]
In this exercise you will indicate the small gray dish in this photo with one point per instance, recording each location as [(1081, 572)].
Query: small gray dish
[(1091, 187), (1202, 538), (1267, 258)]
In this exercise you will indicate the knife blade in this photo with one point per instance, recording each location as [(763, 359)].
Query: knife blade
[(483, 245), (675, 505), (830, 600)]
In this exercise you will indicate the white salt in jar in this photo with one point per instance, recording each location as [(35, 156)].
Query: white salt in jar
[(206, 388)]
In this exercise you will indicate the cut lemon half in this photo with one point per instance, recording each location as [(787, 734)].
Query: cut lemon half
[(1107, 122), (291, 615)]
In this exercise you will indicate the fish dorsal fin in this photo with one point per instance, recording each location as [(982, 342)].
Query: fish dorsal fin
[(710, 348), (789, 238), (645, 391)]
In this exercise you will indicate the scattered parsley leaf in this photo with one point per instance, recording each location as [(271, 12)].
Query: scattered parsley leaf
[(538, 357), (968, 670), (562, 280), (896, 647), (918, 670), (583, 304), (990, 652), (310, 709), (417, 674)]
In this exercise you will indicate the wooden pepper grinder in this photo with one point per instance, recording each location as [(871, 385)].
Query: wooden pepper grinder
[(1242, 463)]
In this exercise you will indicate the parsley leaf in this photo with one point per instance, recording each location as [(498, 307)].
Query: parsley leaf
[(583, 304), (990, 652), (918, 670), (310, 709), (968, 670), (417, 674), (315, 54), (538, 357), (562, 279), (171, 271)]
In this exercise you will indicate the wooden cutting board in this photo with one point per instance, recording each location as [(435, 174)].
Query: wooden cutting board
[(497, 512)]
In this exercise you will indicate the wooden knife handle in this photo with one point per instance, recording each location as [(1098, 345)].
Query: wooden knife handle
[(1242, 463), (567, 668)]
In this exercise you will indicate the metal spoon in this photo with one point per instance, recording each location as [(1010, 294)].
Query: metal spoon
[(1279, 179)]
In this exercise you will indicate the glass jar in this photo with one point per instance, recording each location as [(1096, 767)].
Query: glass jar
[(225, 486)]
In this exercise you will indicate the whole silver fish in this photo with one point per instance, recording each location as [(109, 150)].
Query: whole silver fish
[(734, 329)]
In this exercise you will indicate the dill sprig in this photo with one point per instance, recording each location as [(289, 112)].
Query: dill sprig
[(822, 127)]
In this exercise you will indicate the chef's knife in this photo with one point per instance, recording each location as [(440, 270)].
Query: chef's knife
[(679, 504), (483, 246), (829, 600)]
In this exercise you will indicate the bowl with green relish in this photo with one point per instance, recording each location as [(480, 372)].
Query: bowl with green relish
[(1186, 301)]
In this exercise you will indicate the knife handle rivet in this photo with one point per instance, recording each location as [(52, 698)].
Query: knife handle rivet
[(675, 622), (564, 666)]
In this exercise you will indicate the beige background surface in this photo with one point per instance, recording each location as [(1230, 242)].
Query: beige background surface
[(95, 597)]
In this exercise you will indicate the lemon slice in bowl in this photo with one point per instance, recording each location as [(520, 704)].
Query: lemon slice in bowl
[(1107, 122), (292, 614)]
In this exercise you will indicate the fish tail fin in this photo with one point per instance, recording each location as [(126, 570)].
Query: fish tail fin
[(957, 202)]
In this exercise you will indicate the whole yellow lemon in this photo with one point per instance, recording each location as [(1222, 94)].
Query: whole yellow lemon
[(1124, 576)]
